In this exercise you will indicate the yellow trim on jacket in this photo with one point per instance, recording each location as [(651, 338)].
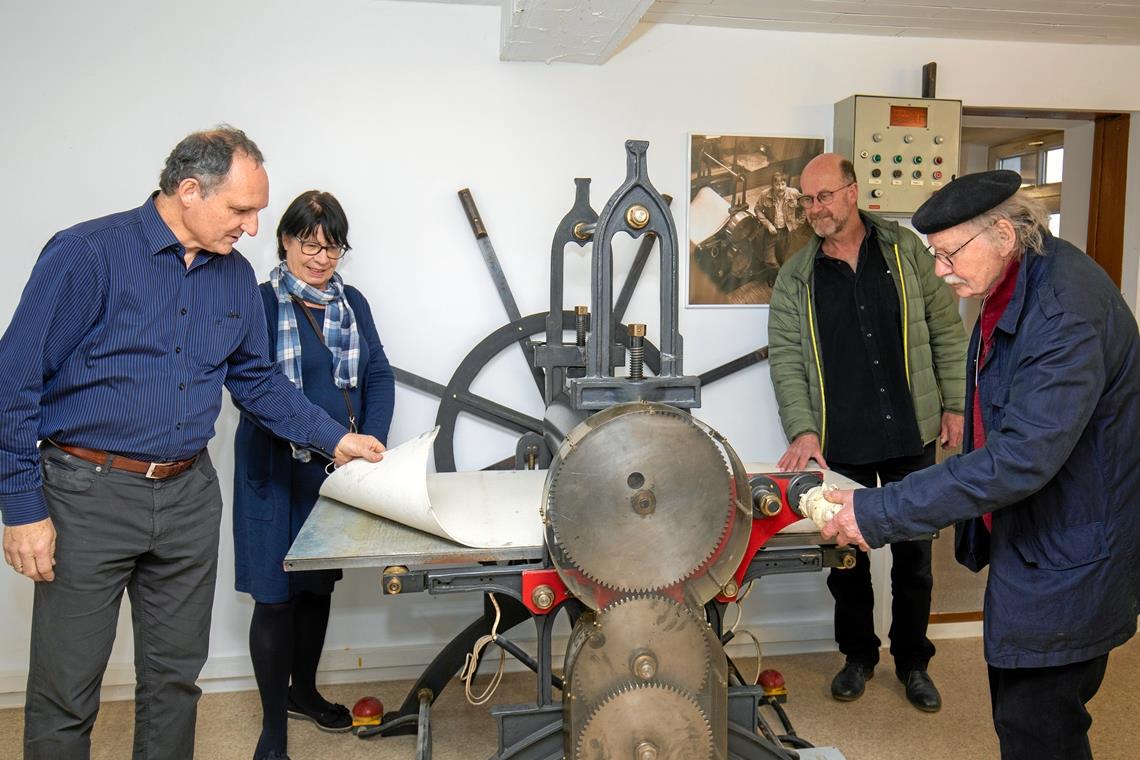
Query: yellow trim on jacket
[(818, 370), (905, 316), (819, 363)]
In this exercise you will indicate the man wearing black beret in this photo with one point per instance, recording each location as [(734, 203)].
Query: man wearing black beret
[(1047, 491)]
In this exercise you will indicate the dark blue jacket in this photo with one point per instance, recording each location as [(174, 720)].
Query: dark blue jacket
[(1060, 470), (273, 492)]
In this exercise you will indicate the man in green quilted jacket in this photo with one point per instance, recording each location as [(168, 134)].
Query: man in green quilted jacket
[(868, 358)]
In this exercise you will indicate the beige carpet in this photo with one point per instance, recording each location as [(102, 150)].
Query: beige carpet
[(880, 726)]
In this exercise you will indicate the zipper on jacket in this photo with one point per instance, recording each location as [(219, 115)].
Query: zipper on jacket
[(818, 366), (905, 316)]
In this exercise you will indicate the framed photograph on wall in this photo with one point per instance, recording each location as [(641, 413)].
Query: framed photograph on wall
[(745, 219)]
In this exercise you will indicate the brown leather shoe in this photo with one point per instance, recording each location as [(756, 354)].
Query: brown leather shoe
[(849, 683), (921, 691)]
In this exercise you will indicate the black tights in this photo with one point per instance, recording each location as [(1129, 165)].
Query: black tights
[(285, 643)]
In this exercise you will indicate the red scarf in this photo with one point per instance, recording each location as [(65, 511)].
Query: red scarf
[(992, 309)]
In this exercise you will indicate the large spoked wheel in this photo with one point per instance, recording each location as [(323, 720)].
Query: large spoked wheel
[(456, 397)]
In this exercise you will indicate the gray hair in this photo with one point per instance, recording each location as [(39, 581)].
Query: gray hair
[(206, 156), (1029, 217)]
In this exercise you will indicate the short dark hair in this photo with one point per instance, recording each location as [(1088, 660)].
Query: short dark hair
[(847, 170), (310, 210), (206, 156), (776, 176)]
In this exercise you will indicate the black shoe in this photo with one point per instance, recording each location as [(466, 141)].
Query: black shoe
[(274, 755), (921, 691), (335, 718), (849, 683)]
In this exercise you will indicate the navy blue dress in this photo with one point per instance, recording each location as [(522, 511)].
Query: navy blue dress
[(274, 493)]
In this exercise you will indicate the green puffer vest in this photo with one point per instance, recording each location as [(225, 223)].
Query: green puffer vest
[(934, 349)]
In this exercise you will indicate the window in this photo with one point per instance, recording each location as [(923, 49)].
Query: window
[(1054, 162), (1039, 157), (1024, 164)]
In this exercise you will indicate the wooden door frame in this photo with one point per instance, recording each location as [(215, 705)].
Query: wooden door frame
[(1107, 193)]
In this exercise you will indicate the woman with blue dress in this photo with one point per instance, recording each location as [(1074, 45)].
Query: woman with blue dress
[(324, 339)]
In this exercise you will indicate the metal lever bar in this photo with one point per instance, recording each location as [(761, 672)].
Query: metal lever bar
[(474, 403), (491, 259), (737, 364)]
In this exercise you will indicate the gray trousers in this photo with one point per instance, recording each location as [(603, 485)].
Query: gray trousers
[(158, 539)]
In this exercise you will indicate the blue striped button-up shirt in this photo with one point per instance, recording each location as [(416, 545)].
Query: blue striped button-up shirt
[(117, 345)]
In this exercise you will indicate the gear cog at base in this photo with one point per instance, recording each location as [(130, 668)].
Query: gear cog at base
[(650, 720), (643, 637)]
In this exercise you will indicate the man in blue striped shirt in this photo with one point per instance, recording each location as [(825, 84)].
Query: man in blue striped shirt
[(114, 360)]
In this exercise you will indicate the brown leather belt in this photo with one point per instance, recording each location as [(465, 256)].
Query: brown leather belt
[(153, 470)]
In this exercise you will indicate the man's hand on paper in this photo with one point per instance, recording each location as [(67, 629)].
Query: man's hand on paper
[(356, 445)]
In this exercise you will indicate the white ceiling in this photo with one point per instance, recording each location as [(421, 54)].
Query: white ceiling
[(1112, 23), (589, 31)]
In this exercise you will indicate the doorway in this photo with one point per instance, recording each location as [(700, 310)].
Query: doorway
[(1076, 164)]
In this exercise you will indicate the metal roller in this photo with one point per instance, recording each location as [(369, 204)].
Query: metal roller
[(642, 497)]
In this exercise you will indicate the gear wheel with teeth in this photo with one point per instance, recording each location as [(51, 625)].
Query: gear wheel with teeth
[(639, 498), (647, 715), (640, 638)]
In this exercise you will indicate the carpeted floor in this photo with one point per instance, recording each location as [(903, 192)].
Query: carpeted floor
[(880, 726)]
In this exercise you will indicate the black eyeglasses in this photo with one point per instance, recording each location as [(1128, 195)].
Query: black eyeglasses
[(945, 258), (823, 196), (312, 248)]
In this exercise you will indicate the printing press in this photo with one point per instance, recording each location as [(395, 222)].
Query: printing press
[(652, 525)]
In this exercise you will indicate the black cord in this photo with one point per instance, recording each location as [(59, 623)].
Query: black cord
[(735, 671), (765, 729), (779, 710), (794, 742)]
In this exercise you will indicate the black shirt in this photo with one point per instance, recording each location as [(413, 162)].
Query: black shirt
[(870, 412)]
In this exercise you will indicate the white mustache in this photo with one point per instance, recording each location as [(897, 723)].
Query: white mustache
[(953, 280)]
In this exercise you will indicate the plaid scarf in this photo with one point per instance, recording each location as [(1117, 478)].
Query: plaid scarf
[(339, 328)]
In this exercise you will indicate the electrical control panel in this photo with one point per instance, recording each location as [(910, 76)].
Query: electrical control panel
[(903, 149)]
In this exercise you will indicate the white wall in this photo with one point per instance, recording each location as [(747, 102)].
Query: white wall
[(1077, 183), (395, 106), (975, 158)]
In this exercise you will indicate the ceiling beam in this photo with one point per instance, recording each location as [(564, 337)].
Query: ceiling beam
[(574, 31)]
